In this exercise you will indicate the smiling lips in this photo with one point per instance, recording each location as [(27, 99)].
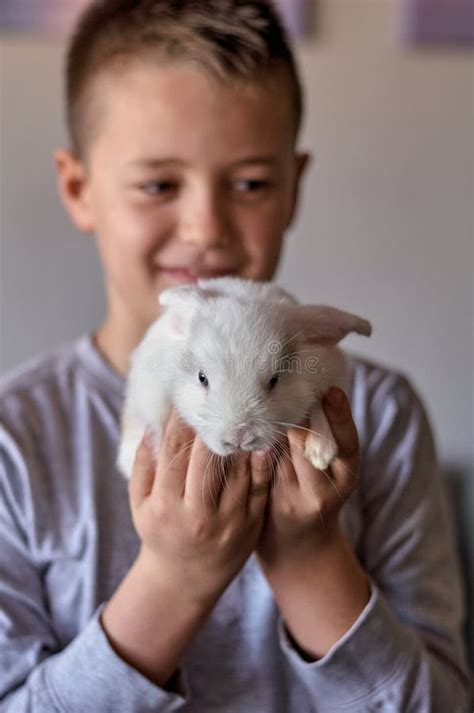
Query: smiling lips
[(184, 275), (178, 275)]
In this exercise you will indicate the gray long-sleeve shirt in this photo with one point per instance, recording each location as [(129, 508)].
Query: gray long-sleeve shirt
[(67, 541)]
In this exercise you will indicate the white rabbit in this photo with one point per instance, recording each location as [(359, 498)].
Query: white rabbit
[(241, 361)]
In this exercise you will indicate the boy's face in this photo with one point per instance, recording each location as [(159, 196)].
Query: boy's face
[(184, 174)]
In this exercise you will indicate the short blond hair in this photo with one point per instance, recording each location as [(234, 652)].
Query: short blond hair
[(231, 39)]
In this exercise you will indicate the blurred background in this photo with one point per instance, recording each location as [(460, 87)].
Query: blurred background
[(385, 226)]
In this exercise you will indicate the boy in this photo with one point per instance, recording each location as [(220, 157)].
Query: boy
[(183, 119)]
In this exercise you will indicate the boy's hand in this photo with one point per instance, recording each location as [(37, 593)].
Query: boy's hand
[(198, 525), (305, 502)]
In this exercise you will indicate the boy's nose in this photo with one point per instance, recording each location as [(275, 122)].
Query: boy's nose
[(206, 223)]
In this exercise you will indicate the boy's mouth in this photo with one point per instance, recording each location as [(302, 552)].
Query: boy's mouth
[(178, 275), (183, 275)]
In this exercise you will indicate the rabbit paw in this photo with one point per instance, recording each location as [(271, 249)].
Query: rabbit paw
[(320, 446), (320, 452)]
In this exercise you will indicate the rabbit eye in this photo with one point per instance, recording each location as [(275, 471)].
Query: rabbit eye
[(272, 382), (203, 378)]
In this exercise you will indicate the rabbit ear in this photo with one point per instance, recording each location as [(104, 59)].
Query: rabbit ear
[(320, 324), (246, 289), (182, 302), (274, 293), (184, 296)]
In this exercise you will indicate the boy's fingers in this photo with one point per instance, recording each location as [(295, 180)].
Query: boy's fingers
[(204, 477), (143, 474), (260, 482), (260, 465), (173, 459), (339, 415), (345, 467), (286, 474), (234, 491), (299, 433)]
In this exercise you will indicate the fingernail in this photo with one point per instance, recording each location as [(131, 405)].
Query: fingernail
[(260, 458), (148, 439), (335, 397)]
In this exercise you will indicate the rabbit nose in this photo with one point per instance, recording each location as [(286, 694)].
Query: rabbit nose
[(251, 443), (240, 437)]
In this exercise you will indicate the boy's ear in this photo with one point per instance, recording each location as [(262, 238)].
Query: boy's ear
[(73, 188), (302, 162)]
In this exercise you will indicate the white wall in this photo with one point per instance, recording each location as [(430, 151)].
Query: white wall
[(388, 222), (386, 228)]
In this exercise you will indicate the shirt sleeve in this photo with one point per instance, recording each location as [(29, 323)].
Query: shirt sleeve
[(36, 674), (405, 652)]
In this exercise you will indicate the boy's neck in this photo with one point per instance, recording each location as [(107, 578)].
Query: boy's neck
[(116, 345)]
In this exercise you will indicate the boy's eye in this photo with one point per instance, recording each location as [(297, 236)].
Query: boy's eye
[(251, 186), (157, 188)]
